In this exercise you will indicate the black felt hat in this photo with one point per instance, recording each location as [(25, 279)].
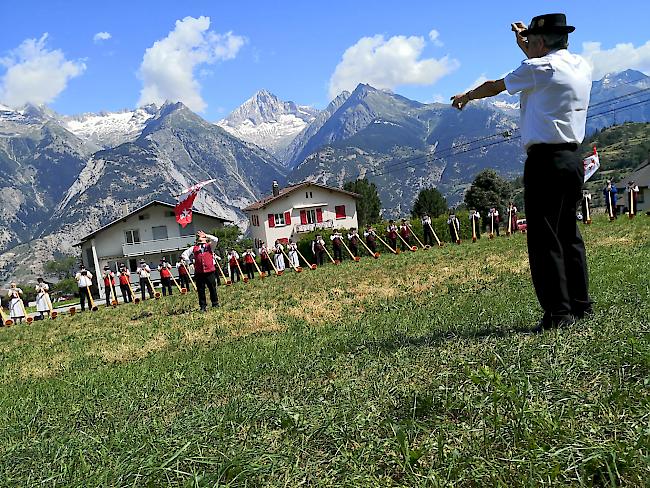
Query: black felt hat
[(548, 24)]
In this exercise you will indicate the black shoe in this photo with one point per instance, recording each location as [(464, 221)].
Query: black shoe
[(553, 322), (216, 305), (203, 309), (583, 314)]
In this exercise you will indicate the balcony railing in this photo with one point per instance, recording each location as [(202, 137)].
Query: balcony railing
[(156, 246), (326, 224)]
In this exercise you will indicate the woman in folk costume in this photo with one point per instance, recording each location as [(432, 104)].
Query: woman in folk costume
[(144, 272), (632, 192), (109, 285), (405, 233), (337, 245), (265, 260), (318, 250), (43, 302), (84, 282), (353, 239), (233, 261), (16, 305), (391, 234), (249, 263), (165, 270), (278, 257), (371, 238), (427, 230), (293, 254), (125, 282), (512, 214), (454, 228)]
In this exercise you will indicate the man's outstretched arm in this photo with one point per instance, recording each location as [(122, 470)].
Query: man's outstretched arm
[(487, 89)]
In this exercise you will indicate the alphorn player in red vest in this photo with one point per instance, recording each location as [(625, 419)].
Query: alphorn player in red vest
[(183, 275), (405, 232), (125, 282), (109, 285), (204, 269), (164, 268)]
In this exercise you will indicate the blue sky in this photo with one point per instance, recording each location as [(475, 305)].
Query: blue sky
[(291, 48)]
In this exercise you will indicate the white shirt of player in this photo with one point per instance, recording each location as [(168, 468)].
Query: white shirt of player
[(84, 280), (476, 215), (555, 91)]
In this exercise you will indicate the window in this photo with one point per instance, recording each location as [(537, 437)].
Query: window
[(311, 216), (159, 232), (279, 219), (340, 211), (640, 197), (310, 195), (132, 236), (133, 265), (143, 216), (170, 213), (255, 220), (188, 230), (306, 194)]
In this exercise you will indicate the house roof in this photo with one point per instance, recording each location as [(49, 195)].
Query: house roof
[(641, 176), (290, 189), (138, 210)]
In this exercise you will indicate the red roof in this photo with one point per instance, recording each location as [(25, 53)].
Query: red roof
[(289, 189)]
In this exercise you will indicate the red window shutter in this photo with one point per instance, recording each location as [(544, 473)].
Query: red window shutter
[(271, 220), (287, 218), (319, 215), (303, 217), (340, 211)]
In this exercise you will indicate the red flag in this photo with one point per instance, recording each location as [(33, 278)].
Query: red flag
[(183, 210)]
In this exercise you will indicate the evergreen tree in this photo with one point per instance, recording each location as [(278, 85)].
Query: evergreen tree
[(369, 204), (488, 190), (431, 202)]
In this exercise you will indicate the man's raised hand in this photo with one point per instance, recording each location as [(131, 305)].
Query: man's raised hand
[(459, 101)]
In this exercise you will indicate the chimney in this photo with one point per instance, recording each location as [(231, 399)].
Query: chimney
[(125, 208), (276, 188)]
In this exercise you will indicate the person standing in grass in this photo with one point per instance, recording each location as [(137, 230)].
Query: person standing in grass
[(109, 285), (16, 305), (233, 260), (554, 86), (427, 230), (405, 232), (144, 272), (265, 260), (318, 250), (337, 245), (632, 192), (493, 221), (391, 234), (183, 275), (454, 228), (125, 282), (165, 270), (292, 247), (610, 193), (43, 303), (204, 270), (84, 282), (353, 239), (371, 238), (249, 266), (475, 221), (278, 257), (586, 204)]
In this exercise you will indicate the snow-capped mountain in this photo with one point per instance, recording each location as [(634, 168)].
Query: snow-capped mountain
[(109, 129), (269, 122)]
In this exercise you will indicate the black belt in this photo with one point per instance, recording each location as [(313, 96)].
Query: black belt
[(565, 146)]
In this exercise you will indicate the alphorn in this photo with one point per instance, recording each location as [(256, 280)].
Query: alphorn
[(6, 321), (111, 292), (588, 216), (27, 317), (354, 258), (156, 294), (492, 228), (417, 238), (453, 226), (311, 266), (295, 268), (611, 210), (133, 297), (412, 248), (373, 254), (508, 231), (258, 269), (329, 255), (182, 291), (386, 244), (435, 235), (473, 230), (227, 281), (53, 313), (189, 275), (241, 274), (278, 273), (632, 212), (90, 300)]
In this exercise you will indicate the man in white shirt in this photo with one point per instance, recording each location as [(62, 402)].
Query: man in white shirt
[(84, 281), (554, 87)]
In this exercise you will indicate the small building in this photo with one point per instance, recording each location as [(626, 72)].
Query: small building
[(640, 176), (149, 232), (292, 211)]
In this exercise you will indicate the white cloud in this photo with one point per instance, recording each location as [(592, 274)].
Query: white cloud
[(388, 63), (621, 57), (167, 69), (434, 37), (35, 74), (102, 36)]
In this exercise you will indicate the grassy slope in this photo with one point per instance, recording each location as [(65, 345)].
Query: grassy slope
[(404, 371)]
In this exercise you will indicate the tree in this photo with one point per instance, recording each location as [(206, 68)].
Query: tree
[(230, 236), (488, 190), (369, 204), (431, 202), (61, 268)]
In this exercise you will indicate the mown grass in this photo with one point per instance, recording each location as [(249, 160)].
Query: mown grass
[(411, 370)]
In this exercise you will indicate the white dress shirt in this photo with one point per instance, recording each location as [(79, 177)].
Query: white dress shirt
[(554, 98)]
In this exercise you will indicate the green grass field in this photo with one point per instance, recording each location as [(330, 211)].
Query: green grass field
[(410, 370)]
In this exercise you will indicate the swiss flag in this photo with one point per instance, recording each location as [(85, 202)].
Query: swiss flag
[(183, 210)]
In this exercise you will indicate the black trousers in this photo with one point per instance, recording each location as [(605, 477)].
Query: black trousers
[(338, 254), (477, 227), (319, 257), (126, 293), (405, 245), (372, 245), (234, 274), (355, 250), (428, 236), (553, 178), (110, 296), (392, 242), (144, 284), (166, 285), (84, 295), (203, 280), (249, 270), (184, 281)]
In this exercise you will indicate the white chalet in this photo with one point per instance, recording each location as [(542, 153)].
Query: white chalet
[(149, 232), (289, 212)]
